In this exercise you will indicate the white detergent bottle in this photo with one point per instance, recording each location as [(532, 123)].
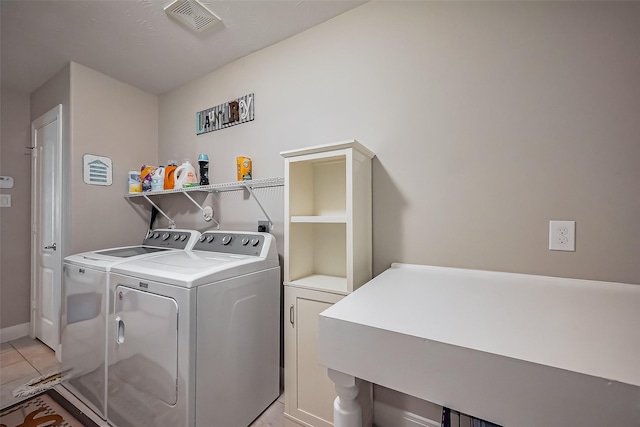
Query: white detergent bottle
[(186, 175), (157, 179)]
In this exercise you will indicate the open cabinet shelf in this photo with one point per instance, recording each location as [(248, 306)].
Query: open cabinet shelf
[(322, 282), (319, 186), (318, 250), (328, 215), (319, 219)]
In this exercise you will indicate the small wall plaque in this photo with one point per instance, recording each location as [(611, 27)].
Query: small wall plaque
[(97, 170)]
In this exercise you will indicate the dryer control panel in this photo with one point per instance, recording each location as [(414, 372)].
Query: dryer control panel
[(171, 238), (232, 242)]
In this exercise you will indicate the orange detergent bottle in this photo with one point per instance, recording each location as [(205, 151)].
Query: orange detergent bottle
[(170, 175)]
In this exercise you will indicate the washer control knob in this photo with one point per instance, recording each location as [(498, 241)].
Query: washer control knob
[(165, 236), (210, 239), (202, 238), (245, 241), (255, 241), (177, 237), (226, 240), (183, 237), (155, 235)]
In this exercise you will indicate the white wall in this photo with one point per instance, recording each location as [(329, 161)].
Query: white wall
[(116, 120), (488, 119), (15, 161), (106, 117)]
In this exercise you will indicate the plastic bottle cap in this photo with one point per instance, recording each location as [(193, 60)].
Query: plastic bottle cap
[(203, 157)]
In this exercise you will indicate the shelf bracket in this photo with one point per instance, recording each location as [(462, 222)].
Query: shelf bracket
[(248, 187), (172, 223), (207, 211)]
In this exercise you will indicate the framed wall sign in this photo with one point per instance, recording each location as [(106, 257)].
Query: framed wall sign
[(235, 112)]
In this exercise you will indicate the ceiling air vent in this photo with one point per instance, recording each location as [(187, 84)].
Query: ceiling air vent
[(192, 14)]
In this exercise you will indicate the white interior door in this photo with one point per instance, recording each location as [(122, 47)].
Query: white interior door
[(46, 253)]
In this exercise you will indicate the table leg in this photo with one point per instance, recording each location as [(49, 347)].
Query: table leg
[(346, 409)]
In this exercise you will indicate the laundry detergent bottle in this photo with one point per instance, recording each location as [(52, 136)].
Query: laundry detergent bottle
[(157, 179), (185, 175), (169, 175)]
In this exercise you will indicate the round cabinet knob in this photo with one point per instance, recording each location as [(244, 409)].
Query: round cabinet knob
[(210, 239), (183, 237), (255, 241), (226, 240), (202, 238), (165, 236), (245, 241)]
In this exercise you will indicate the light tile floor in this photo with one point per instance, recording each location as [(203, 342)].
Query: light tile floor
[(26, 358), (21, 361)]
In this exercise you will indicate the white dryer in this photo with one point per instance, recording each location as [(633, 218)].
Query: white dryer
[(84, 309), (196, 334)]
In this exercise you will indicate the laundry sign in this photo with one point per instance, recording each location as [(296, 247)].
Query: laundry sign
[(235, 112), (97, 170)]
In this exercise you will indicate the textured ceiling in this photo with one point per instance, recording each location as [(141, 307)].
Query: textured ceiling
[(134, 41)]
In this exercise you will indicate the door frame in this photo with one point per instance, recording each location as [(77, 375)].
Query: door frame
[(47, 118)]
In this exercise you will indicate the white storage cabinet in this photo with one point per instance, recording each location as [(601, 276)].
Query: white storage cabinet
[(327, 255)]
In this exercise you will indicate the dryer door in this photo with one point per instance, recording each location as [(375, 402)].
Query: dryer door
[(145, 352)]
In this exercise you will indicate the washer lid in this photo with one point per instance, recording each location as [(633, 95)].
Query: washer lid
[(158, 241), (105, 259), (130, 251), (188, 269)]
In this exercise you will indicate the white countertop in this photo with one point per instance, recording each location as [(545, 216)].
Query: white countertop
[(514, 349), (588, 327)]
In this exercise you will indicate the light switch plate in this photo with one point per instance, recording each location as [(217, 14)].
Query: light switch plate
[(5, 200), (562, 235)]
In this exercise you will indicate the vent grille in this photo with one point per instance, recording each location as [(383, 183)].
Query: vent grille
[(192, 14)]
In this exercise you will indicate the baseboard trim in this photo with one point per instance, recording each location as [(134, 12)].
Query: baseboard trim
[(14, 332), (385, 415)]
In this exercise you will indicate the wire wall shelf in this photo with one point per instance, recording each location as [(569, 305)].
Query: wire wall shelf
[(207, 211)]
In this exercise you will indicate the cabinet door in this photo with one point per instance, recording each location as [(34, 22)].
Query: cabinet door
[(309, 393)]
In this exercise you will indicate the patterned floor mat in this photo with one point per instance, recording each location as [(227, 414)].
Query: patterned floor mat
[(48, 409)]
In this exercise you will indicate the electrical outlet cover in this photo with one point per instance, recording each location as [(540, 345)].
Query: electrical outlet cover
[(5, 200), (562, 235)]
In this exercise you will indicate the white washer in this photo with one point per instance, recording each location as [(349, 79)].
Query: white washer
[(84, 309), (196, 340)]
